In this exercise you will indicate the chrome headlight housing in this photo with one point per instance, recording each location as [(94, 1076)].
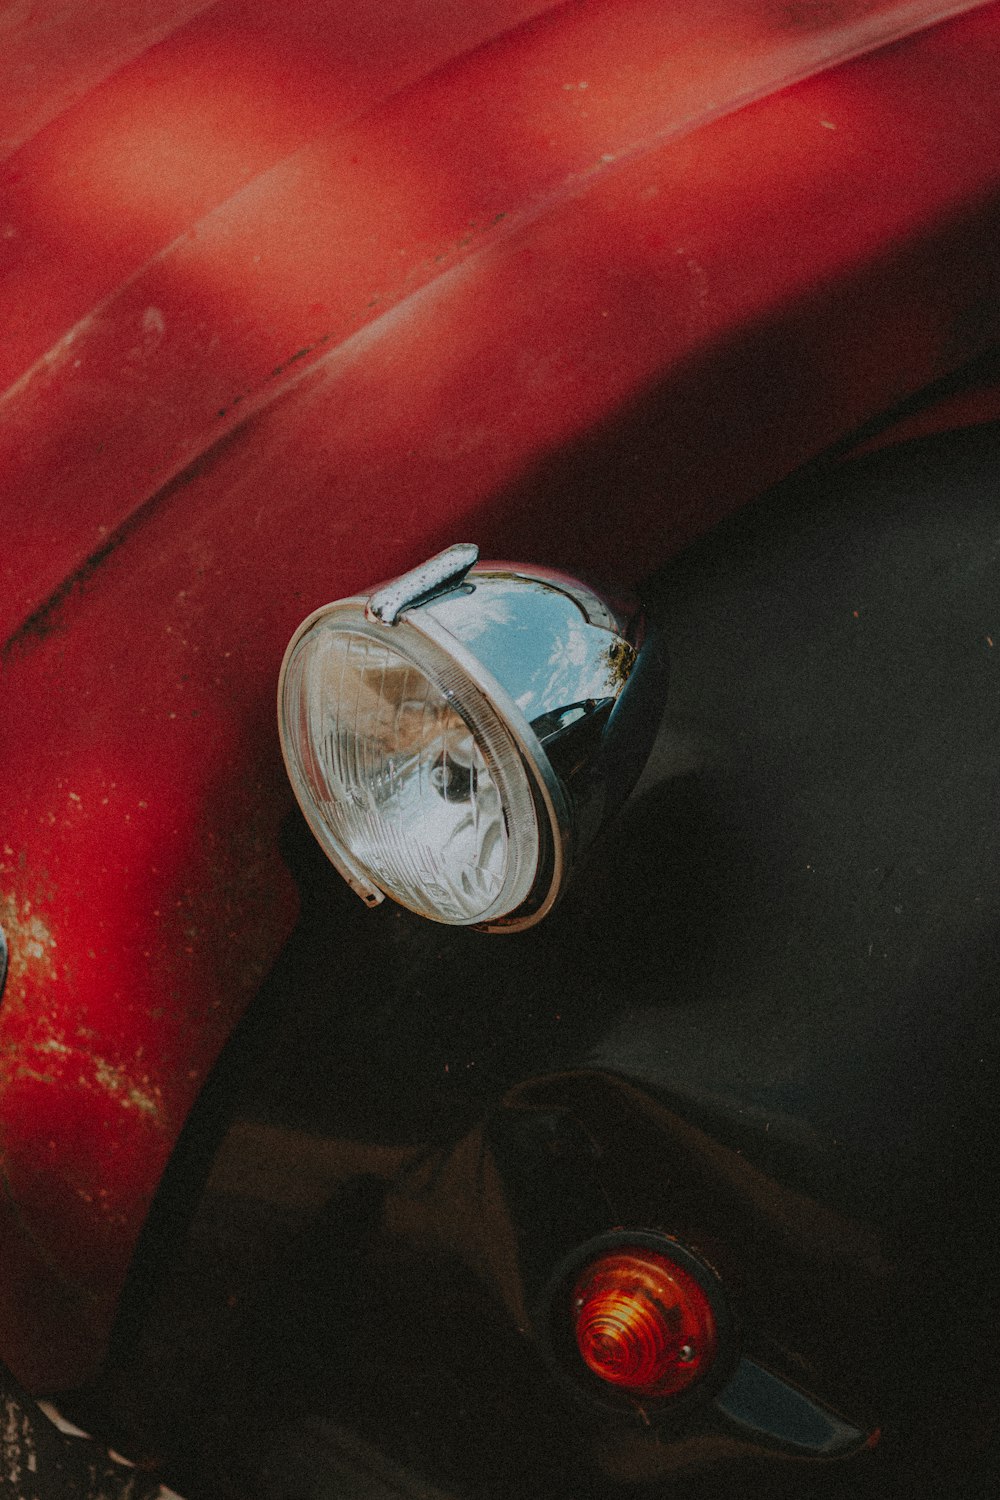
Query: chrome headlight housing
[(444, 736)]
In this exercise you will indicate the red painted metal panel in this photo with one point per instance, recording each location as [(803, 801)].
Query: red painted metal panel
[(176, 238), (556, 319), (52, 56)]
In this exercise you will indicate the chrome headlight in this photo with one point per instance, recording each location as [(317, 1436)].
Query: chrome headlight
[(445, 736)]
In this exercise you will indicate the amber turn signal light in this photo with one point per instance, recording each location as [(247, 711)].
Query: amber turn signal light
[(643, 1323)]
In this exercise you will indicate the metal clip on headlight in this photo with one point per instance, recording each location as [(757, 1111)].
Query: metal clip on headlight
[(456, 739)]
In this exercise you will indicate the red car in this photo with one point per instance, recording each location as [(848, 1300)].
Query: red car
[(686, 1177)]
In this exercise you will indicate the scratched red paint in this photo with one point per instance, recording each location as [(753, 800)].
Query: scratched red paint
[(308, 354)]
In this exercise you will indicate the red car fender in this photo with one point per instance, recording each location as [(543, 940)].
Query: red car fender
[(508, 292)]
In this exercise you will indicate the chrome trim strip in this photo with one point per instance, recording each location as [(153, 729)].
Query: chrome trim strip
[(445, 570)]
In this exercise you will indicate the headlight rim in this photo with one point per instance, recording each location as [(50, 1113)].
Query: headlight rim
[(551, 808)]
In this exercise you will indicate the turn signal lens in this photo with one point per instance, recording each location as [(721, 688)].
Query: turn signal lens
[(643, 1323)]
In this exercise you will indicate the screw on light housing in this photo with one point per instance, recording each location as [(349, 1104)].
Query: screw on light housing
[(457, 737)]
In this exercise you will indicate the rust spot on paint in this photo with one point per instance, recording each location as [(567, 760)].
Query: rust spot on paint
[(126, 1092), (278, 371), (43, 620), (30, 944), (48, 1054), (293, 359), (47, 618)]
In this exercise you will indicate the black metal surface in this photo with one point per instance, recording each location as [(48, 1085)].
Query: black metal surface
[(763, 1021)]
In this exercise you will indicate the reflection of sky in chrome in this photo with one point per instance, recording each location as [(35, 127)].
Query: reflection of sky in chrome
[(533, 639)]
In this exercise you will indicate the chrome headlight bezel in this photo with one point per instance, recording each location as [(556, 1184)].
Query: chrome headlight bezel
[(521, 654)]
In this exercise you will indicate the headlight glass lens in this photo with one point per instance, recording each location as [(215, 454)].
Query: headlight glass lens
[(402, 766)]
